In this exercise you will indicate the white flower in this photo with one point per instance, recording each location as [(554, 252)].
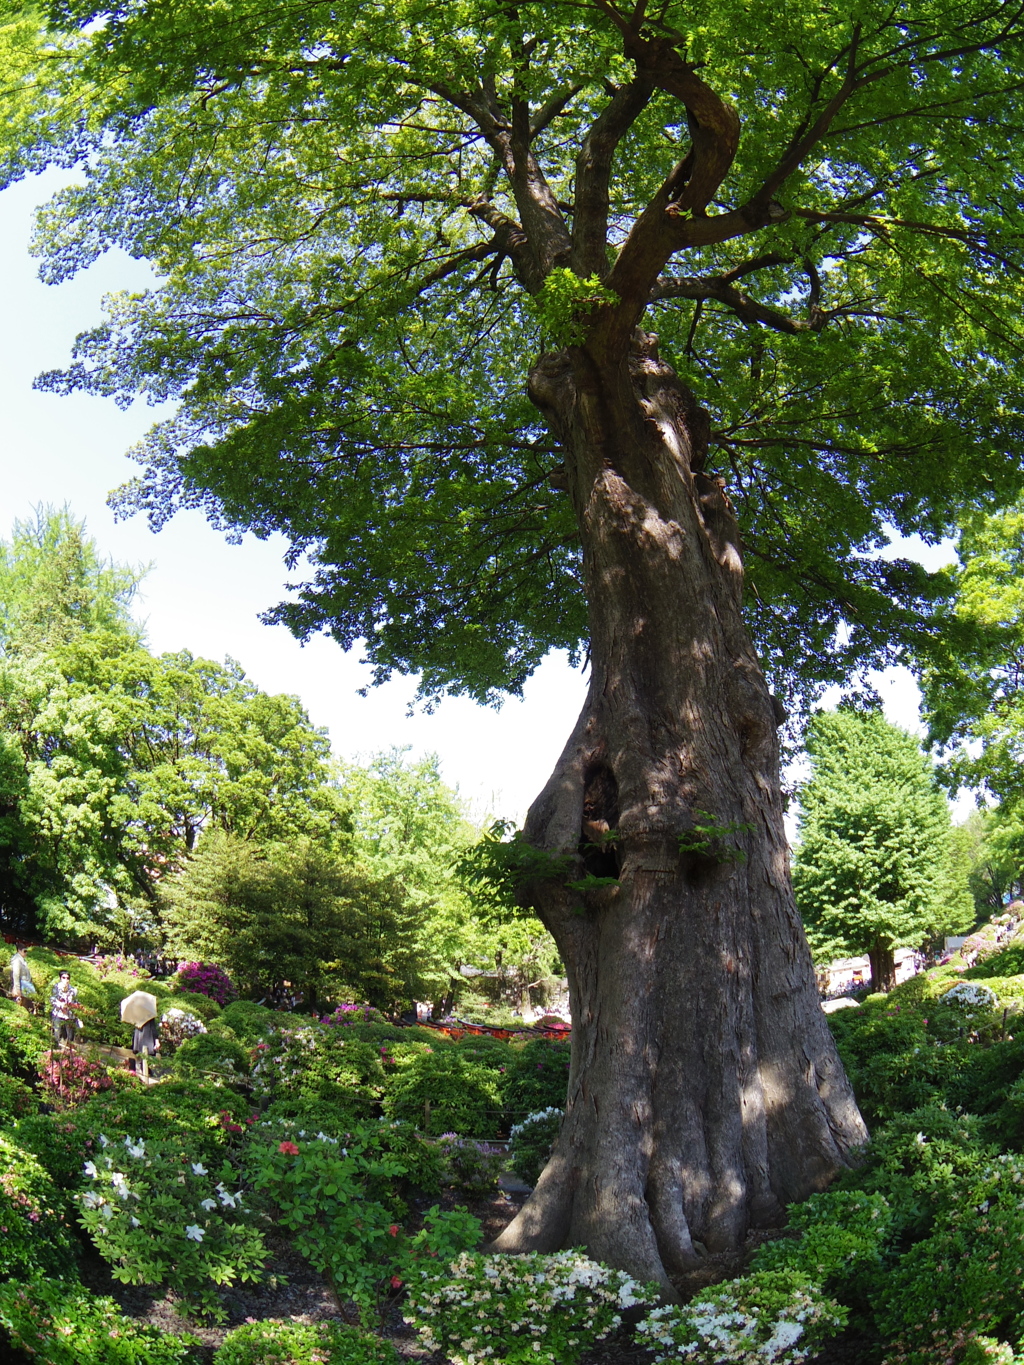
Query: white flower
[(208, 1204), (103, 1141), (135, 1149), (90, 1169), (198, 1168), (194, 1232), (135, 1223)]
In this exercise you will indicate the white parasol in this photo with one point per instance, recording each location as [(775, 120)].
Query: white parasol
[(138, 1008)]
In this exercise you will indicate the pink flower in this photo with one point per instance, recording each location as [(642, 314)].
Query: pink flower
[(396, 1281), (393, 1229), (289, 1149)]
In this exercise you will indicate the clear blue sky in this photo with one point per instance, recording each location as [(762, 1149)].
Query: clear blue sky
[(205, 595)]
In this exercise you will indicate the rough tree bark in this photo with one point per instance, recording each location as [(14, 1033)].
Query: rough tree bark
[(705, 1092), (883, 967)]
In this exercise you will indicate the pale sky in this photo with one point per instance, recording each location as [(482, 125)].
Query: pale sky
[(205, 595)]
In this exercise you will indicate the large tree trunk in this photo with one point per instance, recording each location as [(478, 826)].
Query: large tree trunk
[(705, 1092), (883, 968)]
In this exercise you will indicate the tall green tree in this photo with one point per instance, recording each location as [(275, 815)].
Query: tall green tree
[(874, 868), (411, 259), (54, 585)]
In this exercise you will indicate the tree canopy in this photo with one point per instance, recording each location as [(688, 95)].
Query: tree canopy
[(873, 867), (364, 218)]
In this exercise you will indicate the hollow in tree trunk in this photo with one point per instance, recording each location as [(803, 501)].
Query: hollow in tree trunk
[(705, 1092)]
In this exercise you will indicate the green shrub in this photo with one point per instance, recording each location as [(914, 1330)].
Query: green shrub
[(212, 1053), (441, 1092), (34, 1234), (200, 1005), (536, 1077), (159, 1217), (57, 1141), (16, 1099), (23, 1039), (922, 1163), (343, 1207), (315, 1114), (772, 1317), (1009, 961), (530, 1142), (471, 1167), (961, 1280), (317, 1062), (841, 1234), (64, 1324), (250, 1021), (272, 1342), (184, 1111), (520, 1309)]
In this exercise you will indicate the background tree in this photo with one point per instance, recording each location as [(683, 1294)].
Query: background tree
[(874, 866), (363, 222)]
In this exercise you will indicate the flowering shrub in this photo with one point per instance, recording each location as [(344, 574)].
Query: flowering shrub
[(204, 978), (536, 1308), (988, 1351), (319, 1063), (292, 1343), (158, 1217), (442, 1092), (960, 1280), (530, 1142), (177, 1025), (339, 1198), (346, 1015), (64, 1324), (34, 1236), (117, 964), (70, 1078), (969, 995), (772, 1317), (472, 1167)]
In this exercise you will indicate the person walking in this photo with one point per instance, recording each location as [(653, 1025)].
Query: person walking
[(145, 1041), (63, 1000), (21, 978)]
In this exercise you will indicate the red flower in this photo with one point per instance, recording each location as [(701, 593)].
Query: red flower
[(396, 1281), (393, 1229), (289, 1149)]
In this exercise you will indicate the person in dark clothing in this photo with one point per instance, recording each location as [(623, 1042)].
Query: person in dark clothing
[(144, 1039)]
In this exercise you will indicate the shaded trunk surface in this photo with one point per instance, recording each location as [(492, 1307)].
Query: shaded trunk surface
[(883, 969), (705, 1092)]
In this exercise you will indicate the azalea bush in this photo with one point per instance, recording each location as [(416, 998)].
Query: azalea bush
[(212, 1054), (176, 1025), (443, 1092), (34, 1234), (536, 1077), (160, 1218), (203, 978), (530, 1142), (339, 1197), (273, 1342), (471, 1167), (317, 1062), (773, 1317), (536, 1308), (69, 1078), (61, 1323)]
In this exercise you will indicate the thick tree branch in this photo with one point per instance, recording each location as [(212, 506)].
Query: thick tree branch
[(593, 176), (718, 287), (544, 232)]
